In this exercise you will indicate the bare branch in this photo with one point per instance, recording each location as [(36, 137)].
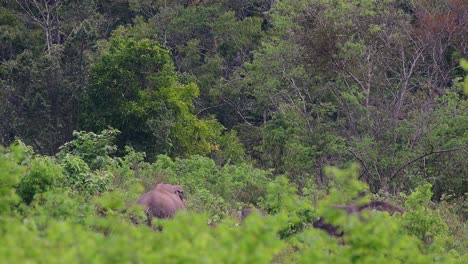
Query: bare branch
[(206, 108), (362, 163), (237, 111), (425, 155)]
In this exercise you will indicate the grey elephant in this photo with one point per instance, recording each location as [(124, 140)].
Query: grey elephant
[(163, 201), (246, 212), (353, 209)]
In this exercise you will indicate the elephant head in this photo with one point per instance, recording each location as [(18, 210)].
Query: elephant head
[(247, 211), (171, 189)]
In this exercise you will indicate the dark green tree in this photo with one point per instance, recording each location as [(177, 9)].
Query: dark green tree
[(134, 88)]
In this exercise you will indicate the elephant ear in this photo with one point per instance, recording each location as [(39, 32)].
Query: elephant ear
[(181, 194)]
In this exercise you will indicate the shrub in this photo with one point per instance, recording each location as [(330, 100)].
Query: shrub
[(94, 149), (420, 220), (80, 178), (10, 172), (44, 174)]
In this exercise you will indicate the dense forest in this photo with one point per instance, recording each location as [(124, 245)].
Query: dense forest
[(294, 107)]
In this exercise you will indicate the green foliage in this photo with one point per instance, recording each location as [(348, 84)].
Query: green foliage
[(454, 213), (211, 188), (84, 158), (448, 132), (79, 177), (295, 146), (43, 175), (42, 85), (134, 83), (229, 149), (203, 201), (209, 40), (130, 168), (28, 101), (10, 172), (281, 198), (464, 65), (14, 36), (135, 89), (61, 223), (112, 202), (451, 131), (280, 195), (234, 35), (345, 187), (57, 204), (420, 220), (371, 237), (94, 149)]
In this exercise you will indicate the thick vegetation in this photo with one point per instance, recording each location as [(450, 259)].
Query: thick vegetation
[(291, 106), (56, 208)]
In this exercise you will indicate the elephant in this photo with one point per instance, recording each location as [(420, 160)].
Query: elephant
[(351, 209), (382, 206), (246, 212), (163, 201)]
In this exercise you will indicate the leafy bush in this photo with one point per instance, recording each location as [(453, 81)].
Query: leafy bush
[(62, 223), (281, 198), (94, 149), (10, 172), (420, 220), (131, 168), (454, 212), (59, 204), (81, 178), (209, 186), (368, 238), (44, 174)]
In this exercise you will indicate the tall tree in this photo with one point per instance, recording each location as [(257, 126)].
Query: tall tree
[(42, 81), (134, 88), (45, 13)]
